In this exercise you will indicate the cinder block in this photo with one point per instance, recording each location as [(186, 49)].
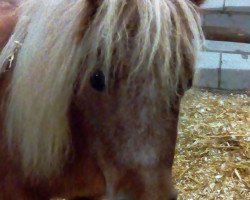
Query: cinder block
[(207, 74), (227, 26), (237, 6), (227, 47), (213, 5), (235, 72)]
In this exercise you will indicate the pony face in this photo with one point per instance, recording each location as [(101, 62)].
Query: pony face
[(132, 113), (104, 80), (132, 134)]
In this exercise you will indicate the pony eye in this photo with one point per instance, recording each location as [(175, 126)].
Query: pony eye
[(97, 81)]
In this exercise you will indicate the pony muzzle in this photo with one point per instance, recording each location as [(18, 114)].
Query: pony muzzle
[(141, 185)]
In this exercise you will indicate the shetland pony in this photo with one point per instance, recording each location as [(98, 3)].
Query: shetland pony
[(90, 95)]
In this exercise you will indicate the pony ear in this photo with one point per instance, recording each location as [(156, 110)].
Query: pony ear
[(198, 2)]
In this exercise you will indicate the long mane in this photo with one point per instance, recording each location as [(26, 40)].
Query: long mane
[(60, 38)]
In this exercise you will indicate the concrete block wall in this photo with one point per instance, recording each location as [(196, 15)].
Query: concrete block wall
[(224, 62), (223, 65), (227, 20)]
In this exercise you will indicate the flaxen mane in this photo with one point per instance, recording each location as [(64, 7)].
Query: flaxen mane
[(147, 36)]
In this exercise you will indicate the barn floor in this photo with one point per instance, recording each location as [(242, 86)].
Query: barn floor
[(213, 151)]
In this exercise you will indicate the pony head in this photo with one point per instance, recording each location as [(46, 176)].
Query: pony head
[(103, 77)]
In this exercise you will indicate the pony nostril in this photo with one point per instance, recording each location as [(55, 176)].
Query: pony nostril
[(123, 196), (189, 83), (174, 196)]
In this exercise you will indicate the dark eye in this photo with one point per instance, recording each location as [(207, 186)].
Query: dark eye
[(97, 80)]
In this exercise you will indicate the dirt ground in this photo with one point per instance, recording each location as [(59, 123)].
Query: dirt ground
[(213, 151)]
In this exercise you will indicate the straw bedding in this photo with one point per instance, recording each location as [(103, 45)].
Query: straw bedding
[(213, 150)]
